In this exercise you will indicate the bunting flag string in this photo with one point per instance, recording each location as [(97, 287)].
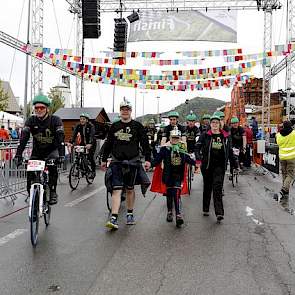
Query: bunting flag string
[(229, 56)]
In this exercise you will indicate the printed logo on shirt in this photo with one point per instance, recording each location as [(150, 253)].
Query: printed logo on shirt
[(124, 136), (175, 159), (217, 143)]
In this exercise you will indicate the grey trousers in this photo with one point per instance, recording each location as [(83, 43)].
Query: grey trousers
[(288, 173)]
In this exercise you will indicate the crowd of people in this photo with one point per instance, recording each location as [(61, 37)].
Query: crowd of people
[(10, 134), (208, 146)]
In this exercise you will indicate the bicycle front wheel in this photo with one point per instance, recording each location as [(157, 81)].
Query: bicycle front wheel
[(34, 220), (189, 179), (74, 177), (47, 209)]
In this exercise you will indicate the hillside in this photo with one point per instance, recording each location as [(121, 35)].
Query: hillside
[(199, 105)]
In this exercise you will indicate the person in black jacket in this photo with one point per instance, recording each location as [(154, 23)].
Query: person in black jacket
[(174, 158), (212, 152), (48, 141), (87, 135), (123, 143)]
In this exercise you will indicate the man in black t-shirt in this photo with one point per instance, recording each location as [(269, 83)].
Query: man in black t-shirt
[(173, 117), (151, 132), (192, 132), (124, 140), (238, 137)]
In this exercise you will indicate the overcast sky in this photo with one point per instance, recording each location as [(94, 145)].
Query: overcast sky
[(250, 38)]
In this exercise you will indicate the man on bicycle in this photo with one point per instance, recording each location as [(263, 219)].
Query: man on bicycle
[(173, 117), (123, 143), (48, 141), (239, 140), (205, 126), (192, 133), (151, 132), (87, 136)]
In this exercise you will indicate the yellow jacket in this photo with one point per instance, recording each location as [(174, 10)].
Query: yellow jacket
[(286, 146)]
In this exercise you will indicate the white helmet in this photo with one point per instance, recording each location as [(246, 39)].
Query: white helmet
[(175, 132), (126, 103)]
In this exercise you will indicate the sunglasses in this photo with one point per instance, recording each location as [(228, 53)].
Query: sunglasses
[(40, 108)]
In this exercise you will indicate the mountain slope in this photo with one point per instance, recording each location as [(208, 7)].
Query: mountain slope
[(199, 105)]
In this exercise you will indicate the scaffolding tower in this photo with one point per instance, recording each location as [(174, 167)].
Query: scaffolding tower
[(37, 40)]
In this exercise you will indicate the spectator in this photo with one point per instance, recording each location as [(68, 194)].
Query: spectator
[(286, 143), (249, 145), (4, 135), (254, 126), (13, 134)]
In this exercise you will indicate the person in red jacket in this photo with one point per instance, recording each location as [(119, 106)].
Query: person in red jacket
[(4, 135), (249, 146)]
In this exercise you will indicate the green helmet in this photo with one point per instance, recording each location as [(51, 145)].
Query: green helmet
[(86, 115), (206, 117), (173, 114), (219, 113), (191, 117), (40, 98), (214, 117), (234, 120)]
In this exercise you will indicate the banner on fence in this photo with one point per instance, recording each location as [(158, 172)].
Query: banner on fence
[(271, 159)]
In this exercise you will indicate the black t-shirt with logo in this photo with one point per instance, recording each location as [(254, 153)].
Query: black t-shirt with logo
[(150, 132), (237, 136), (191, 134), (217, 156), (124, 141)]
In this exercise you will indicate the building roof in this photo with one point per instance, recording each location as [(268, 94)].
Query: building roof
[(12, 106), (74, 113)]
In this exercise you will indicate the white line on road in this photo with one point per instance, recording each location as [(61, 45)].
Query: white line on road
[(83, 198), (12, 236)]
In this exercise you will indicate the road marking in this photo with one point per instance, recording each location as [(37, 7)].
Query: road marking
[(83, 198), (249, 211), (12, 236)]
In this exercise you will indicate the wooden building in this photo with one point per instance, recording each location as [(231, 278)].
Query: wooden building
[(71, 117)]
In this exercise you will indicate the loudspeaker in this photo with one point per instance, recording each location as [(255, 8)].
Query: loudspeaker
[(120, 35), (91, 18)]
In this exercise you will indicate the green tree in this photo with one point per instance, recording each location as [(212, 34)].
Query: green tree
[(57, 100), (3, 98)]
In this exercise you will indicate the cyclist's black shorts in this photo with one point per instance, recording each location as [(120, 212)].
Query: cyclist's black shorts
[(123, 176)]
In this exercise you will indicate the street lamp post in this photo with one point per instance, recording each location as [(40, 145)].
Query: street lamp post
[(158, 109)]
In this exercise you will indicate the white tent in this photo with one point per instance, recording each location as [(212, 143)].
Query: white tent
[(9, 120)]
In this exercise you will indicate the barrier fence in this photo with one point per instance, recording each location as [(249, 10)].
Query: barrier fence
[(13, 179)]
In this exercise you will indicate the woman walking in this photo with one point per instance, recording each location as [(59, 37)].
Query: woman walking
[(213, 150)]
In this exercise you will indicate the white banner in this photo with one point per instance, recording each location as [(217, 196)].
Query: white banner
[(213, 26)]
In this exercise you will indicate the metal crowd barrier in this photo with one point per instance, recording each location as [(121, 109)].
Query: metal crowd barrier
[(12, 179)]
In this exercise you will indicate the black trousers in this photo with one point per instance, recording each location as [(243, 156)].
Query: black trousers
[(90, 157), (213, 182), (52, 171), (173, 196)]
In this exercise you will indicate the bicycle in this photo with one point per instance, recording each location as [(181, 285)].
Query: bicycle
[(235, 171), (80, 168), (39, 196)]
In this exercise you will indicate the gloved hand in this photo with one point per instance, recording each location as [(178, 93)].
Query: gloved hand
[(18, 160)]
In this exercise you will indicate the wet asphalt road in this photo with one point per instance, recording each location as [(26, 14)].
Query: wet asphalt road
[(251, 252)]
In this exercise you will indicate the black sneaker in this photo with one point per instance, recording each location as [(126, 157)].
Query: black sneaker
[(205, 213), (169, 217), (179, 220), (219, 218), (53, 198)]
